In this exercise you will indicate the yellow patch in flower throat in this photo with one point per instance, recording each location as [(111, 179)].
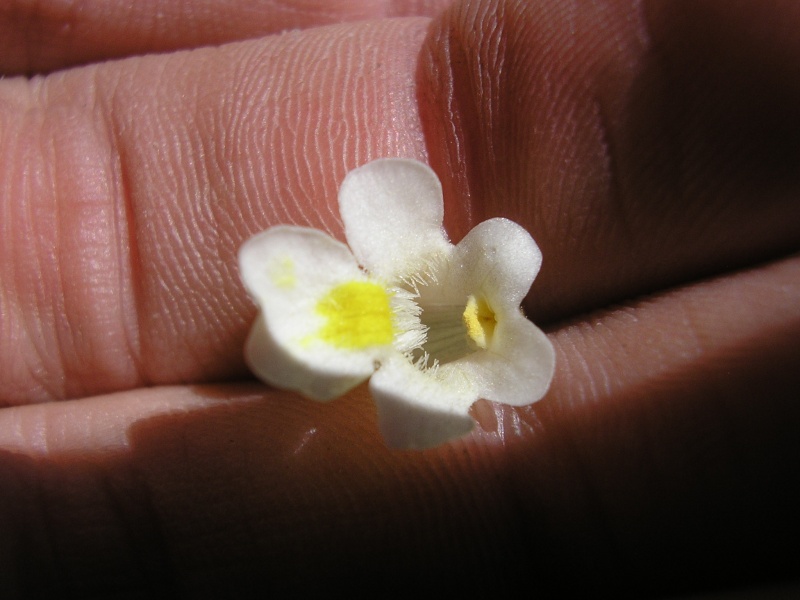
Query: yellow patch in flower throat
[(358, 316), (480, 321)]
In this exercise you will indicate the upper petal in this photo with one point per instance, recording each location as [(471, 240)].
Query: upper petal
[(500, 260), (288, 271), (392, 210), (418, 409)]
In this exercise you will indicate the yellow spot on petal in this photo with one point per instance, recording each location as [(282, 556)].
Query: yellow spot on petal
[(358, 316), (282, 274), (480, 321)]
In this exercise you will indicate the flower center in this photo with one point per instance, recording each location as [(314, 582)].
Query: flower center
[(453, 331), (358, 315)]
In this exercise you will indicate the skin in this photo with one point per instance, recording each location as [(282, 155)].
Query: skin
[(651, 148)]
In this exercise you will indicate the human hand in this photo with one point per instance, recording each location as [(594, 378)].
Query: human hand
[(650, 148)]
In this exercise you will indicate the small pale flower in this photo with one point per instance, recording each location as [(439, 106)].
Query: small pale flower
[(435, 326)]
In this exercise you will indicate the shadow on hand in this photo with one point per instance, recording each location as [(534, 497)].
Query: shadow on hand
[(645, 495)]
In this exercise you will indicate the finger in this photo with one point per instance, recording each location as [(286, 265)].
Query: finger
[(184, 320), (128, 188), (642, 143), (637, 482), (44, 36)]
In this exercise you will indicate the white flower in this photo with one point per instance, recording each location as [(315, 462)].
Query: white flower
[(436, 326)]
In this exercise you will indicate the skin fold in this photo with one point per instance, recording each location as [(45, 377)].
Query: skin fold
[(40, 36), (651, 149)]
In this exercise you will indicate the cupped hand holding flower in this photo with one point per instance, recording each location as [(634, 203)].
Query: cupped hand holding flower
[(652, 149)]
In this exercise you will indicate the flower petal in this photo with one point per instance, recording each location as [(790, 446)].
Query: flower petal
[(316, 377), (288, 271), (418, 409), (518, 366), (392, 211), (500, 260)]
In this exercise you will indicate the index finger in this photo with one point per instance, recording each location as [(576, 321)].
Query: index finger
[(128, 188)]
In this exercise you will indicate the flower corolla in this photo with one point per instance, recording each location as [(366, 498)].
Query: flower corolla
[(434, 326)]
